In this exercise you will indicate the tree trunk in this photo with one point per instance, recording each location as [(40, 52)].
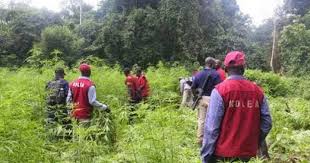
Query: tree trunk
[(275, 58)]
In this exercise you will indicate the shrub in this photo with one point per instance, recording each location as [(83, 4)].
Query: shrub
[(161, 132), (273, 85)]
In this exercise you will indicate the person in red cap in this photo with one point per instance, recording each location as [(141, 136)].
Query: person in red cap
[(238, 117), (82, 94), (218, 67)]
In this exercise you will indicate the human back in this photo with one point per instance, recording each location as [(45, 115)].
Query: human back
[(202, 76), (203, 84), (82, 107), (240, 128), (57, 112), (143, 88), (132, 83), (82, 94), (238, 118), (57, 91)]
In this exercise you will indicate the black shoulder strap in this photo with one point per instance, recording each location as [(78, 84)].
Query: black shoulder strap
[(205, 82)]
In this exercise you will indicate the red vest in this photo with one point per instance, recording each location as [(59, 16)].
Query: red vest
[(132, 85), (142, 81), (79, 89), (221, 73), (240, 127)]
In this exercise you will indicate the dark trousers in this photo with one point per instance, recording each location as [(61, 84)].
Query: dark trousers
[(263, 150)]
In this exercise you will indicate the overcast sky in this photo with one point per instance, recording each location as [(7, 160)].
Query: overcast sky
[(258, 10)]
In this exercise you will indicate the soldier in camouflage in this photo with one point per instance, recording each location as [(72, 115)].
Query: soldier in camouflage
[(56, 110)]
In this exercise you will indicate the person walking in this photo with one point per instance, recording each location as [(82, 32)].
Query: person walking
[(57, 112), (186, 91), (238, 118), (218, 67), (82, 94), (143, 85), (205, 81), (132, 83)]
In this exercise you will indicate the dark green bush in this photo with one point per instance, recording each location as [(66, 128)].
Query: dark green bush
[(273, 84)]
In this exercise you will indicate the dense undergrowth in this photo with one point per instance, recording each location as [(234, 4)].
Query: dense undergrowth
[(161, 132)]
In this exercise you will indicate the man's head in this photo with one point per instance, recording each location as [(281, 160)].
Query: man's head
[(59, 73), (85, 70), (139, 71), (127, 71), (235, 63), (218, 64), (210, 62)]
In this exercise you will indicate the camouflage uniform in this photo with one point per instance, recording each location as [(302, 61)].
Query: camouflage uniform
[(58, 121)]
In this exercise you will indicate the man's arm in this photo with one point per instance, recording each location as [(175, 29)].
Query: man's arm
[(196, 81), (92, 99), (266, 121), (66, 89), (212, 125)]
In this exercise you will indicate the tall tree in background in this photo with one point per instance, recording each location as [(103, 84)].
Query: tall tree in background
[(181, 35), (295, 47), (141, 31), (224, 27), (274, 61)]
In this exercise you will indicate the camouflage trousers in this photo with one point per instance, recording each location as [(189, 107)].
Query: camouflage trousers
[(58, 121)]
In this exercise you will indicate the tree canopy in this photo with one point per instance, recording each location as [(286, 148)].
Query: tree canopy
[(145, 32)]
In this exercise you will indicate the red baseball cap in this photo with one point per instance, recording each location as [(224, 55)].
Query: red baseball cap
[(84, 67), (234, 58)]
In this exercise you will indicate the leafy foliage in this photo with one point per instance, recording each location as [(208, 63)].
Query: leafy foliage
[(126, 32), (272, 84), (161, 132), (295, 45), (62, 39), (20, 28)]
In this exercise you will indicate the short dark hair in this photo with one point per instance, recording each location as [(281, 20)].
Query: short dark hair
[(210, 61), (127, 70), (59, 71), (219, 62), (236, 70), (139, 70), (86, 73)]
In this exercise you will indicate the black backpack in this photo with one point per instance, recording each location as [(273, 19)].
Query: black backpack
[(56, 92)]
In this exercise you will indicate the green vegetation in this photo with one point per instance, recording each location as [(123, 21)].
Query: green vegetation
[(158, 35), (162, 131), (124, 32), (146, 32)]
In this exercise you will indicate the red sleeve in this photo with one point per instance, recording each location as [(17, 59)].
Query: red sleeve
[(222, 74)]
